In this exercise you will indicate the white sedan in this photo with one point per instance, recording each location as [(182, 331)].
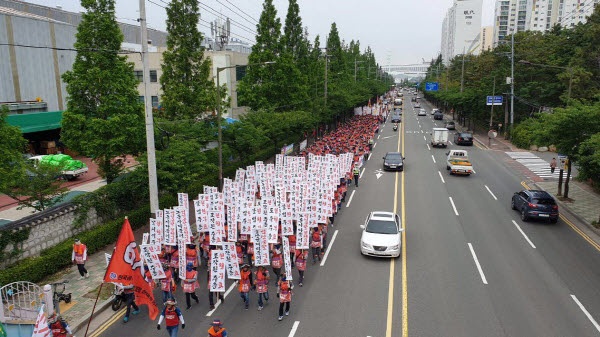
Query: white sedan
[(381, 235), (422, 112)]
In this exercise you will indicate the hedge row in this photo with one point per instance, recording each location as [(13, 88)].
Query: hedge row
[(54, 259)]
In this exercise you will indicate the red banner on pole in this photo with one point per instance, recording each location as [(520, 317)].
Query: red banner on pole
[(126, 267)]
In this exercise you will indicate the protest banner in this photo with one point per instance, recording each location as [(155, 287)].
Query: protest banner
[(217, 271)]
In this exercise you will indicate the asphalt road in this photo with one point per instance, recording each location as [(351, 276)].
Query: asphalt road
[(469, 269)]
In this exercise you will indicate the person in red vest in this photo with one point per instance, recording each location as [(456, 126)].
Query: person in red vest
[(191, 255), (239, 251), (167, 284), (277, 260), (261, 284), (301, 257), (79, 256), (217, 329), (284, 292), (58, 326), (245, 283), (315, 244), (172, 316), (129, 293), (190, 283)]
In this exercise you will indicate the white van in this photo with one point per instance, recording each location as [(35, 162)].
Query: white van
[(439, 137)]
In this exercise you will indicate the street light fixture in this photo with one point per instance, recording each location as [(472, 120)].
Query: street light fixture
[(219, 117), (569, 69)]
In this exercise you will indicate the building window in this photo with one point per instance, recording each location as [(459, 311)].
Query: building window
[(154, 101), (240, 72), (139, 75), (153, 76)]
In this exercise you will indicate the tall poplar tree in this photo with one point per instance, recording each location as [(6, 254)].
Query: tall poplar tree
[(257, 89), (104, 118), (187, 89)]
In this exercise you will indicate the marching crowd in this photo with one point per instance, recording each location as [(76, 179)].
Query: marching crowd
[(355, 136)]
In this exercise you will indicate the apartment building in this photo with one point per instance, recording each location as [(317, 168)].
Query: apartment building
[(572, 12), (511, 16), (487, 38), (461, 29)]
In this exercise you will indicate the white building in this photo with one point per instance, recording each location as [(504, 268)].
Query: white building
[(511, 16), (572, 12), (461, 29), (545, 14)]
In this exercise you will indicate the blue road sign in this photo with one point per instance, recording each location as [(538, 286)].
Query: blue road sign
[(431, 86), (496, 99)]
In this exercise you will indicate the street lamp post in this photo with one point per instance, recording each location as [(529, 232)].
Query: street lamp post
[(220, 131)]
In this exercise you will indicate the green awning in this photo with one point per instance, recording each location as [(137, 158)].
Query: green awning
[(35, 122)]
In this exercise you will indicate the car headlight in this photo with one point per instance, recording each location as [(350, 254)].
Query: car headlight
[(395, 247), (365, 245)]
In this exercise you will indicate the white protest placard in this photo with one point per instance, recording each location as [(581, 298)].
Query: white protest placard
[(256, 218), (302, 234), (182, 200), (182, 262), (232, 226), (261, 247), (215, 228), (201, 209), (150, 257), (156, 231), (179, 222), (231, 262), (217, 271), (272, 225), (286, 258), (170, 233)]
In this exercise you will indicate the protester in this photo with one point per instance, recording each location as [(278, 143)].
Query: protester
[(190, 284), (172, 316), (79, 256), (58, 326), (128, 292), (284, 292), (301, 257), (315, 244), (167, 284), (245, 284), (191, 255), (277, 260), (216, 329), (261, 285)]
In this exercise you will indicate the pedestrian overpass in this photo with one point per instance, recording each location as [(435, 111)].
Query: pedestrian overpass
[(402, 71)]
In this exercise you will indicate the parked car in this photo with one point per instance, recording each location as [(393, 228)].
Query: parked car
[(393, 161), (438, 115), (381, 235), (535, 204), (450, 125), (463, 138)]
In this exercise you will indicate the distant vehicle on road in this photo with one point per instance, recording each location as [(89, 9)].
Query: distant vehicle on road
[(434, 110), (396, 119), (439, 137), (398, 111), (422, 112), (438, 115), (463, 138), (398, 101), (458, 162), (381, 235), (535, 204), (393, 161), (450, 125), (417, 105)]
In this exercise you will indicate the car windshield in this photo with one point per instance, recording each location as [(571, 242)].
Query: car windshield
[(466, 135), (382, 227), (393, 156)]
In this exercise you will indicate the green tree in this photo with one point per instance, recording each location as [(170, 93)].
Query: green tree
[(187, 89), (589, 160), (39, 188), (104, 118), (12, 165), (257, 89)]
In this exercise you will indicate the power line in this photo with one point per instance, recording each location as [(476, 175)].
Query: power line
[(70, 49), (250, 22), (233, 22)]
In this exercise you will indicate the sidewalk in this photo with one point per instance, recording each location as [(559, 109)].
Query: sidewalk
[(583, 203)]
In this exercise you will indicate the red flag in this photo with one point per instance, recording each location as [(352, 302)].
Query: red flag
[(126, 267)]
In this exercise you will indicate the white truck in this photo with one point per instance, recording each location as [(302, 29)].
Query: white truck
[(70, 168), (439, 137), (458, 162)]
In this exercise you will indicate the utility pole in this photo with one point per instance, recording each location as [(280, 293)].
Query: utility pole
[(493, 102), (152, 179), (512, 82)]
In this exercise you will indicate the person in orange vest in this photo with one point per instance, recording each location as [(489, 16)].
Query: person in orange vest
[(172, 316), (79, 256), (239, 251), (261, 285), (315, 244), (191, 255), (190, 284), (245, 283), (174, 263), (250, 252), (128, 292), (284, 292), (301, 257), (277, 260), (217, 329), (167, 284), (58, 326)]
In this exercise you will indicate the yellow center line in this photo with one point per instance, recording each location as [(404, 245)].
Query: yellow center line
[(108, 323), (404, 277)]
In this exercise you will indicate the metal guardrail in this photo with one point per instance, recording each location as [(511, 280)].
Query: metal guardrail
[(20, 302)]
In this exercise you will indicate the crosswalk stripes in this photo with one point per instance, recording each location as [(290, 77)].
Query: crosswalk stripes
[(535, 164)]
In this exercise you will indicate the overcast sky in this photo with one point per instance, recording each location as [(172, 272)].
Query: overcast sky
[(398, 31)]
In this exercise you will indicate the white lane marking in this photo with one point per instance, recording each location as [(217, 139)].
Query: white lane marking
[(489, 190), (477, 263), (428, 148), (294, 328), (369, 158), (432, 157), (422, 131), (378, 136), (329, 248), (208, 314), (361, 172), (525, 235), (424, 138), (586, 312), (443, 181), (350, 199), (374, 145), (453, 206), (450, 143)]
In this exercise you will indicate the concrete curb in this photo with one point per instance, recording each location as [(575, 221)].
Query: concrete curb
[(84, 321)]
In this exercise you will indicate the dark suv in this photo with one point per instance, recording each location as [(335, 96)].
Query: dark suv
[(535, 204), (393, 161), (463, 138)]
